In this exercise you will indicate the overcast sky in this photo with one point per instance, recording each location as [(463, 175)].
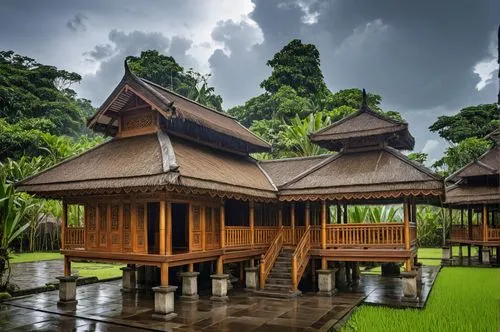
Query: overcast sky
[(425, 58)]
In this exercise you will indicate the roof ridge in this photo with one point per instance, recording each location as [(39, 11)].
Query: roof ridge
[(184, 97), (451, 176), (410, 162), (312, 169)]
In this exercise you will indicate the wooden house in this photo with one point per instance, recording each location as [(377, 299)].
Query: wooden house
[(175, 186)]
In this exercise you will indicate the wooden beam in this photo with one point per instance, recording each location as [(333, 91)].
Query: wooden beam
[(163, 215), (168, 229), (323, 224), (64, 223), (164, 274), (251, 217), (222, 227)]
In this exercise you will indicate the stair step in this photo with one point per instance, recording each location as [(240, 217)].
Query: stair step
[(280, 281), (272, 286), (279, 275)]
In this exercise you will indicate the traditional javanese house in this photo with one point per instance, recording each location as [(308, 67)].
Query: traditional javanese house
[(475, 191), (175, 188)]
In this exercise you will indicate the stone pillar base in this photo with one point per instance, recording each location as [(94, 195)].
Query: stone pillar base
[(67, 290), (189, 286), (164, 302), (251, 278), (418, 269), (219, 287), (410, 290), (485, 255), (446, 254), (129, 283), (326, 282)]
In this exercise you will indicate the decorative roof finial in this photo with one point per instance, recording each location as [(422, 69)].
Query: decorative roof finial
[(364, 103)]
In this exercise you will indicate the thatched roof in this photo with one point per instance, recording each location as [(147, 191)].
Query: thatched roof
[(479, 181), (281, 171), (374, 173), (205, 124), (364, 128), (152, 161)]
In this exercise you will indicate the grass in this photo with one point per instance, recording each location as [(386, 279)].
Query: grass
[(463, 299), (83, 269), (34, 257)]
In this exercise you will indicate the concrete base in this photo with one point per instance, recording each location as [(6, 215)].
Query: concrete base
[(446, 253), (164, 302), (485, 255), (219, 287), (326, 282), (189, 286), (410, 290), (129, 283), (251, 278), (67, 290), (418, 269)]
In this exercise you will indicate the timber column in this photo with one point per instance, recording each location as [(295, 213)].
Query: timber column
[(407, 234), (219, 283), (164, 297), (292, 221), (485, 251), (67, 283), (324, 264), (308, 214), (251, 220)]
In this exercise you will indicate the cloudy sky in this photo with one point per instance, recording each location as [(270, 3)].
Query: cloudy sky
[(425, 58)]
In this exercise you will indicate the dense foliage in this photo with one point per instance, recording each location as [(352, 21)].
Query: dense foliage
[(165, 71)]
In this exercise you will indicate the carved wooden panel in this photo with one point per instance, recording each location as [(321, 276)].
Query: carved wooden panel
[(217, 227), (139, 122), (209, 228), (115, 222), (103, 226), (90, 218), (196, 227), (140, 229), (127, 245)]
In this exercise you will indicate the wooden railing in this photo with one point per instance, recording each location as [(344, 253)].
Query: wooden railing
[(493, 233), (462, 232), (267, 260), (315, 235), (293, 235), (264, 234), (237, 236), (74, 238), (355, 235), (300, 257)]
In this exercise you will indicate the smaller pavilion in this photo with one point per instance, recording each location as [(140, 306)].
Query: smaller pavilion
[(475, 191)]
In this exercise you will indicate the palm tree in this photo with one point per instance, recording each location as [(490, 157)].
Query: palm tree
[(296, 135)]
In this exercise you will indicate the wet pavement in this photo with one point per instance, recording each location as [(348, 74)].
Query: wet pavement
[(103, 307), (36, 274)]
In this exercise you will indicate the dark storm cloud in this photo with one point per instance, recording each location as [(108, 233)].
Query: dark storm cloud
[(76, 23), (100, 52)]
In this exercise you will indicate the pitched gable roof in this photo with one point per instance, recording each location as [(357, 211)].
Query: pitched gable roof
[(174, 107), (364, 125)]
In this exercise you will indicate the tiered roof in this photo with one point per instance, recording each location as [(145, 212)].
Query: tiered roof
[(479, 181)]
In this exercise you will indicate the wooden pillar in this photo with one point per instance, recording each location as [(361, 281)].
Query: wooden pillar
[(485, 224), (190, 227), (222, 222), (407, 233), (163, 214), (323, 224), (64, 223), (220, 265), (67, 266), (339, 213), (292, 221), (191, 267), (164, 274), (203, 228), (168, 229), (251, 217), (280, 216), (308, 214), (469, 217)]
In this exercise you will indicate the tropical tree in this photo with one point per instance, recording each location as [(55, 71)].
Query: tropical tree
[(12, 224), (296, 135)]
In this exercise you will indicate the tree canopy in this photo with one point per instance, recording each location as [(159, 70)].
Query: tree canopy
[(473, 121), (165, 71)]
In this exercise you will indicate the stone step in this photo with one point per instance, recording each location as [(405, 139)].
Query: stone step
[(277, 294), (283, 260), (282, 270), (279, 275), (278, 287), (280, 281)]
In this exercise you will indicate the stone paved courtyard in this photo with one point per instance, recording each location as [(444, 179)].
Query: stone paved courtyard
[(103, 307)]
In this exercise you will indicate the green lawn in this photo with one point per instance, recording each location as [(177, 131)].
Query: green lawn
[(87, 269), (463, 299), (34, 257)]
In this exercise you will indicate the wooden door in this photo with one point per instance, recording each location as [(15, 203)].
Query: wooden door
[(103, 226), (91, 227), (209, 228), (126, 221), (195, 229), (116, 221), (141, 228)]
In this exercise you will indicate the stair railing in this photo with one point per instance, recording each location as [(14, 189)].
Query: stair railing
[(267, 260), (300, 257)]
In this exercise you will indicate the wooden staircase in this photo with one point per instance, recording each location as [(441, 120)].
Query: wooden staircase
[(279, 281)]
